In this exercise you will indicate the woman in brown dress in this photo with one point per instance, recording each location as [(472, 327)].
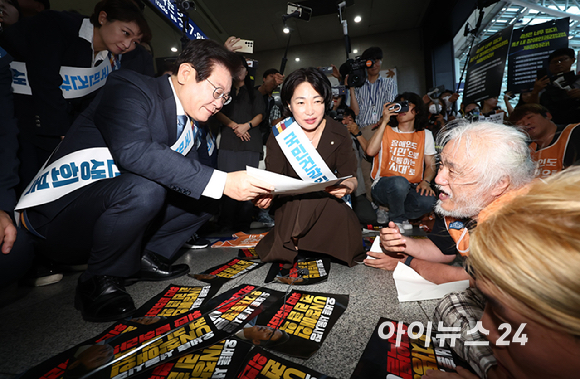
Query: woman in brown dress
[(318, 222)]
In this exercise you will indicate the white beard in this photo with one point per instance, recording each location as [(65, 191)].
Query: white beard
[(463, 209)]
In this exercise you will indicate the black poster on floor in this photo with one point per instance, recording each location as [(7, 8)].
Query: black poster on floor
[(397, 350), (486, 67), (262, 364), (529, 51), (133, 347), (304, 318)]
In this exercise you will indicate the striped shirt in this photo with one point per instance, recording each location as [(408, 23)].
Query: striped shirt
[(371, 97)]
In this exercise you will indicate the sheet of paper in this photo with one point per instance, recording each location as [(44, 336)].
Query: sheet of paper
[(413, 287), (287, 185)]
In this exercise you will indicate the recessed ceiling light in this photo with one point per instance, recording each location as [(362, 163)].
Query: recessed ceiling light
[(297, 59), (174, 49), (286, 30), (355, 51), (357, 19)]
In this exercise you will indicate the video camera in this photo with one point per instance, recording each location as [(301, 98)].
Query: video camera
[(356, 71)]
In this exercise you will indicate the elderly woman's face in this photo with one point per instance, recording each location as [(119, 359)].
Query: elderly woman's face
[(307, 106), (547, 353)]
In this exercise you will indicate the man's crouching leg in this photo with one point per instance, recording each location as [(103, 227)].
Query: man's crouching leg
[(104, 225)]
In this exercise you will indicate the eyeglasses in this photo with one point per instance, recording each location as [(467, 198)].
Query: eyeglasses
[(219, 93)]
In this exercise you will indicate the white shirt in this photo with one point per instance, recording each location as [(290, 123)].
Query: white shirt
[(86, 33), (217, 182)]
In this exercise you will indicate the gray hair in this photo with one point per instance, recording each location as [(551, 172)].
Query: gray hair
[(494, 151)]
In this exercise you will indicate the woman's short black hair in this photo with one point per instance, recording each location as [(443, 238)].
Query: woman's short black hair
[(122, 10), (311, 75), (421, 111), (203, 55)]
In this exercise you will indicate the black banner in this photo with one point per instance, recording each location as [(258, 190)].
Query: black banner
[(227, 271), (529, 51), (133, 347), (396, 351), (264, 365), (486, 67), (222, 360), (305, 271), (306, 318)]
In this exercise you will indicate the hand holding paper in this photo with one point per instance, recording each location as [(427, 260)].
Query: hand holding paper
[(290, 186)]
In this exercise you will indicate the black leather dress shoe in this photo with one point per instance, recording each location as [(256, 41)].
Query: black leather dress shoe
[(103, 299), (154, 269)]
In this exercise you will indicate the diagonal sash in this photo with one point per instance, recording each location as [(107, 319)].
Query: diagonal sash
[(303, 157), (79, 169)]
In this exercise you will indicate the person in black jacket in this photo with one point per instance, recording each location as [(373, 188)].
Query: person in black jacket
[(53, 41)]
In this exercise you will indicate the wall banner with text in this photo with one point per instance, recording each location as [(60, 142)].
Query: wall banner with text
[(486, 67), (529, 51)]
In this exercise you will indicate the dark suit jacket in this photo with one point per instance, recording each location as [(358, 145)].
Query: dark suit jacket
[(135, 117)]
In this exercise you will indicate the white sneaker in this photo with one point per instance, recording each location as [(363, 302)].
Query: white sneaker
[(407, 225)]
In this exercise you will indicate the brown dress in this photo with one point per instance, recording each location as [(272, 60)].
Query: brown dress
[(319, 221)]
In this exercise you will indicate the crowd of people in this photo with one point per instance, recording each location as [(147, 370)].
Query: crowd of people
[(114, 175)]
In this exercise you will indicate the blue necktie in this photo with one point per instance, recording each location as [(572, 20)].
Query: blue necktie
[(181, 122)]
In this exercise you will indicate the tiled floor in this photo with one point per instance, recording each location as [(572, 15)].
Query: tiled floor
[(40, 322)]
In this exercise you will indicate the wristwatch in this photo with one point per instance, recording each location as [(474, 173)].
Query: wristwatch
[(249, 123), (408, 260), (358, 134)]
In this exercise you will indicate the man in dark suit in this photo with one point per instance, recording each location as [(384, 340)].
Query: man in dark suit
[(150, 209)]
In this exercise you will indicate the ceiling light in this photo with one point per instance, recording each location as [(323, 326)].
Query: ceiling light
[(174, 49), (355, 51), (286, 30), (297, 59), (357, 19)]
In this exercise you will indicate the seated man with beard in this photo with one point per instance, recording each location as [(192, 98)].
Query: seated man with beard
[(480, 164)]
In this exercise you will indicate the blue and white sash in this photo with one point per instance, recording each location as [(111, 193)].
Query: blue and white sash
[(76, 81), (303, 157), (79, 169)]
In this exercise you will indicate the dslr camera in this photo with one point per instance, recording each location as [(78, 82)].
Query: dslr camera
[(356, 70)]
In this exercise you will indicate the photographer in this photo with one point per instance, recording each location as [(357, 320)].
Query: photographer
[(562, 95), (367, 101), (404, 161)]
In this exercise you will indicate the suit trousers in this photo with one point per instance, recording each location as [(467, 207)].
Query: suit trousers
[(113, 221)]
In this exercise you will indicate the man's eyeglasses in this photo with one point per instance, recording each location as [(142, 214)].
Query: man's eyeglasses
[(219, 93)]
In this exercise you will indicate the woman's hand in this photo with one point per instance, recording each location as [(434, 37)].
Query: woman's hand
[(230, 42), (344, 188), (388, 113), (263, 201), (242, 131)]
